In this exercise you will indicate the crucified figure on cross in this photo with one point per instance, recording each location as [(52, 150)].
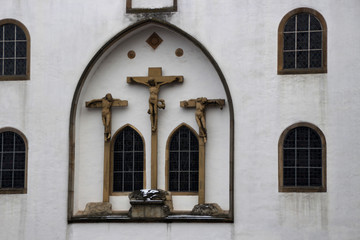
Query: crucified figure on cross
[(200, 105), (154, 81), (106, 103)]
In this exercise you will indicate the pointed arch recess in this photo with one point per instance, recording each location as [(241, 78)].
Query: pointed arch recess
[(112, 193), (112, 42)]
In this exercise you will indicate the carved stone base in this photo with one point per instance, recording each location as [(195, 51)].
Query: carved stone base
[(148, 209), (147, 203), (208, 209), (98, 209)]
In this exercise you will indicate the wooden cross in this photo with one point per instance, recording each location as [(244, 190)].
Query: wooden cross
[(106, 103), (200, 105), (154, 81)]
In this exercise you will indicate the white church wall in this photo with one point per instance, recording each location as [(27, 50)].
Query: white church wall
[(242, 37)]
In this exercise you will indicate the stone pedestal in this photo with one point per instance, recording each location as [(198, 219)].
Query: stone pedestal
[(148, 203), (148, 209)]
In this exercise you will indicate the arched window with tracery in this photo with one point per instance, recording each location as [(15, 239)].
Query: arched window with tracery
[(183, 161), (13, 161), (127, 161), (14, 50), (302, 42), (302, 159)]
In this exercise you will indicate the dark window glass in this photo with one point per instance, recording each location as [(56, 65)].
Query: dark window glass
[(302, 59), (128, 161), (289, 60), (9, 66), (21, 49), (302, 22), (289, 41), (314, 23), (21, 66), (316, 40), (290, 25), (302, 41), (20, 35), (9, 31), (302, 158), (12, 160), (289, 177), (302, 33), (13, 50), (183, 161), (315, 59), (9, 50)]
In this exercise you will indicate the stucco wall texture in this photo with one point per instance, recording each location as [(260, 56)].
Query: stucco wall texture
[(241, 35)]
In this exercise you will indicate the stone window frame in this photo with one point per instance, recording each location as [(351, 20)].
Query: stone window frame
[(111, 173), (323, 68), (27, 75), (283, 188), (130, 9), (167, 162), (24, 189)]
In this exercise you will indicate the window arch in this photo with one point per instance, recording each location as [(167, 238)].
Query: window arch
[(182, 165), (13, 161), (128, 164), (302, 42), (14, 50), (302, 159)]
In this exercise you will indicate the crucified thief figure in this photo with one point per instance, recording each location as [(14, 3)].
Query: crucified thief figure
[(105, 104), (200, 105)]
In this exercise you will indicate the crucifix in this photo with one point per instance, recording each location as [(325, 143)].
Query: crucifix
[(106, 103), (200, 105), (154, 81)]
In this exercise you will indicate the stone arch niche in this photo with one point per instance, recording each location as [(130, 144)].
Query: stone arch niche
[(107, 72)]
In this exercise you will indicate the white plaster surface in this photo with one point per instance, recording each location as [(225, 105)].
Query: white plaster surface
[(242, 37)]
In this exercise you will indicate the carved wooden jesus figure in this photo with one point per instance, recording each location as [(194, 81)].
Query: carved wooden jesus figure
[(154, 81), (106, 103), (200, 105)]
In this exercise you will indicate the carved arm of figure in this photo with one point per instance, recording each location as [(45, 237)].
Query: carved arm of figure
[(176, 79), (137, 80), (95, 103)]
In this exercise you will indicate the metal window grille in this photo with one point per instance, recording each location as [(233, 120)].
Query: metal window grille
[(128, 161), (13, 50), (303, 42), (12, 160), (302, 161), (184, 161)]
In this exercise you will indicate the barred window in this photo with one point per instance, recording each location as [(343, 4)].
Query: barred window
[(14, 50), (128, 161), (303, 159), (302, 42), (12, 163), (183, 161)]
